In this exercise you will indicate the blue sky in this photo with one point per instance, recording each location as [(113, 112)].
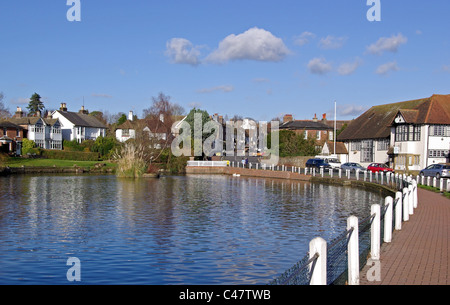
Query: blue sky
[(258, 59)]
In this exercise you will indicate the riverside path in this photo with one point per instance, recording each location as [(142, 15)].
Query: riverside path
[(419, 252)]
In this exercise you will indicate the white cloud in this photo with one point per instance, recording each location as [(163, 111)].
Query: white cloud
[(350, 110), (331, 42), (349, 68), (223, 88), (182, 51), (319, 66), (390, 44), (254, 44), (304, 38), (387, 67)]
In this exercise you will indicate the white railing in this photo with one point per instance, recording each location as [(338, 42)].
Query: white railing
[(208, 163), (404, 204)]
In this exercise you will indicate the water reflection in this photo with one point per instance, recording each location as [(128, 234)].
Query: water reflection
[(173, 230)]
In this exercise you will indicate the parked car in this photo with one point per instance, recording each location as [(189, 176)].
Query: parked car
[(436, 170), (317, 163), (334, 163), (353, 167), (379, 167)]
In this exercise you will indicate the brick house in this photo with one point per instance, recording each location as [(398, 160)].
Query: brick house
[(11, 136)]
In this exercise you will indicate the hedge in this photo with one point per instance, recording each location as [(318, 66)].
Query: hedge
[(70, 155)]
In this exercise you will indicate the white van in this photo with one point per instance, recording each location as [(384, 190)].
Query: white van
[(333, 161)]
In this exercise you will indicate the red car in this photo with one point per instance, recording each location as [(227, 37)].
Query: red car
[(379, 167)]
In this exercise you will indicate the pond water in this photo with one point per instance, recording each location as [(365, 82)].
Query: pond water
[(192, 229)]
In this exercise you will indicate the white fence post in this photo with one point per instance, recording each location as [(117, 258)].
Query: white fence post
[(405, 204), (319, 267), (398, 211), (415, 194), (353, 251), (375, 232), (388, 202), (411, 199)]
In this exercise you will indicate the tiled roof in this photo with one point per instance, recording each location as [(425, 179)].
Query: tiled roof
[(80, 119), (7, 124), (305, 125), (32, 121), (376, 122)]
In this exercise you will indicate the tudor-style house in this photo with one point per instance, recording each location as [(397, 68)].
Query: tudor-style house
[(79, 126), (408, 135), (45, 132)]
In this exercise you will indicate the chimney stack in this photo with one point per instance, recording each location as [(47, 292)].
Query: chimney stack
[(315, 117), (83, 111), (288, 118), (19, 113), (130, 116), (63, 107)]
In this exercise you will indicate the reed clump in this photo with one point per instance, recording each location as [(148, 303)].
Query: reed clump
[(131, 160)]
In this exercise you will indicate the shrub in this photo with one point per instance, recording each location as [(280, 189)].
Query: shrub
[(27, 146)]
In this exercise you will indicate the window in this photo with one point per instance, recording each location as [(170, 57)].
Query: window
[(438, 153), (383, 144), (330, 136), (440, 130), (40, 143), (367, 151), (318, 135), (125, 132), (356, 146), (407, 133), (306, 134), (38, 128), (56, 145)]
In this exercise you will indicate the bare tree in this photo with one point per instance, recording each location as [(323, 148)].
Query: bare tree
[(4, 112)]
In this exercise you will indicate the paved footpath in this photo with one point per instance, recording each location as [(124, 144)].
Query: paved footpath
[(419, 252)]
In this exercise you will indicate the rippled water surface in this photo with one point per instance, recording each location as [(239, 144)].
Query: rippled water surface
[(173, 230)]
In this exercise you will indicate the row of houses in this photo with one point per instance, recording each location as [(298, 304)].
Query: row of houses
[(409, 135), (51, 131)]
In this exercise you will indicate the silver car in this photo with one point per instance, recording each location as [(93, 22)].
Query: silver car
[(436, 170), (353, 167)]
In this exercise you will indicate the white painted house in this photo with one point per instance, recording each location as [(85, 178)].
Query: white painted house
[(79, 126), (45, 132), (408, 136)]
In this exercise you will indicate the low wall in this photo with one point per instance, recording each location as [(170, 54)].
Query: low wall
[(294, 161), (246, 172)]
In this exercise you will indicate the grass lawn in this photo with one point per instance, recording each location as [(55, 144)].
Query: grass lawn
[(18, 162)]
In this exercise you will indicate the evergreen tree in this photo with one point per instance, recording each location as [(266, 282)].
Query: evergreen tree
[(35, 104)]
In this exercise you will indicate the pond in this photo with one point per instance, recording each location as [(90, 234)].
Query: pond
[(195, 229)]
